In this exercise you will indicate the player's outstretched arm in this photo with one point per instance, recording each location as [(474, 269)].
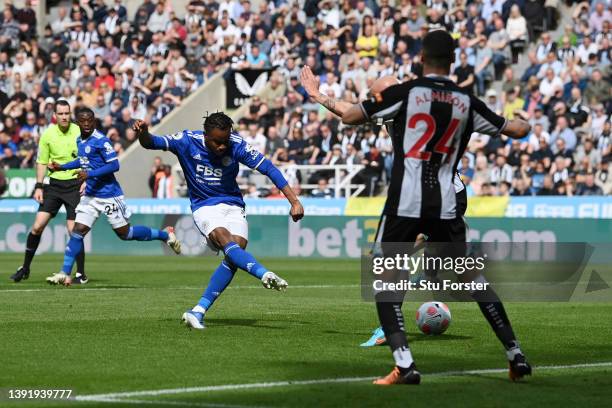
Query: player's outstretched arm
[(75, 164), (350, 113), (265, 166), (516, 129)]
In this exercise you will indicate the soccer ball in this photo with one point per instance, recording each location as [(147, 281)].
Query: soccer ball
[(433, 318), (190, 237)]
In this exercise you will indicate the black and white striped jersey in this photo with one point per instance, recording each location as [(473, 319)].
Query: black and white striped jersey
[(433, 120)]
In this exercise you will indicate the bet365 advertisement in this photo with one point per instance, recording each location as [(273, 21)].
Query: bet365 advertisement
[(278, 236)]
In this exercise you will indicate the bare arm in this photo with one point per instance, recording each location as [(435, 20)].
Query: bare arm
[(311, 85), (142, 131), (350, 113), (41, 172), (297, 211), (516, 129)]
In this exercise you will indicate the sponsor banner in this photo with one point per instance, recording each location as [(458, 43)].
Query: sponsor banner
[(560, 207), (511, 207), (312, 206), (478, 207), (20, 183), (365, 205), (314, 236), (487, 206), (243, 84)]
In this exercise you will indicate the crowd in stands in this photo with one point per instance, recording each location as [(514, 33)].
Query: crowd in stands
[(560, 83), (557, 78), (92, 54)]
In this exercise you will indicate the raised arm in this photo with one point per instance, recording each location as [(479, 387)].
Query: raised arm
[(350, 113)]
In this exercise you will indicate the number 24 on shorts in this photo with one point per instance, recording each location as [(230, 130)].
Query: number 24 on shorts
[(441, 147), (109, 209)]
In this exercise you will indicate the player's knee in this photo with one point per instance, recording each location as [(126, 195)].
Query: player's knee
[(220, 237), (80, 229), (37, 229)]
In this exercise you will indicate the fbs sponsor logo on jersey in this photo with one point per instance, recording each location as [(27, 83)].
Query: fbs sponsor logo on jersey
[(207, 171), (108, 148)]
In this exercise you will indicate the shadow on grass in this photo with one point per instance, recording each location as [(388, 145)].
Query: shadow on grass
[(254, 323), (411, 336)]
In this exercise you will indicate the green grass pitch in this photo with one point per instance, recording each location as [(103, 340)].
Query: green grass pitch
[(121, 333)]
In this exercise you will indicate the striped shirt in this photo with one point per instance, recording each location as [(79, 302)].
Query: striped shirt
[(433, 120)]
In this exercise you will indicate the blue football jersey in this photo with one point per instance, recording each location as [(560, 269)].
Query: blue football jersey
[(95, 152), (211, 179)]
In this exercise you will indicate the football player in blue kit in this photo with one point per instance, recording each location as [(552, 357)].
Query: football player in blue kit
[(103, 195), (210, 160)]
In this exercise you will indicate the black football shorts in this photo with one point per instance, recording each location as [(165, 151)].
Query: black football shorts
[(60, 193)]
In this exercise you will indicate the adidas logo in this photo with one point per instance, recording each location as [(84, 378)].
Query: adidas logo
[(250, 265), (197, 157)]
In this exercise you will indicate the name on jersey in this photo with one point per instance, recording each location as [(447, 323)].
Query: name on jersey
[(443, 97), (207, 171)]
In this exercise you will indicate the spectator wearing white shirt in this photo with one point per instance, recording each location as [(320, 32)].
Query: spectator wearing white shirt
[(23, 65), (546, 46), (489, 7), (538, 133), (585, 49), (551, 62), (94, 50), (255, 138), (550, 84), (329, 13), (159, 20), (111, 22), (331, 86), (62, 22), (501, 171), (156, 47), (225, 32), (137, 110)]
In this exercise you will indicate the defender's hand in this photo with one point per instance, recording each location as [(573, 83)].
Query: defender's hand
[(82, 176), (140, 126), (82, 189), (297, 211), (38, 195), (309, 81), (53, 166)]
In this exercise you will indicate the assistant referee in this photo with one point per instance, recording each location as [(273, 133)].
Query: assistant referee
[(57, 144)]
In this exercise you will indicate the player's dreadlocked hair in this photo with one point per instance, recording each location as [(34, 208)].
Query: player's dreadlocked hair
[(217, 120)]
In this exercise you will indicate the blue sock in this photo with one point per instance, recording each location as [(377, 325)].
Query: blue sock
[(142, 233), (219, 280), (74, 247), (243, 260)]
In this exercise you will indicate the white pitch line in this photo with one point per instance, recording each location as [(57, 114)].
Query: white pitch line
[(229, 387), (176, 403)]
